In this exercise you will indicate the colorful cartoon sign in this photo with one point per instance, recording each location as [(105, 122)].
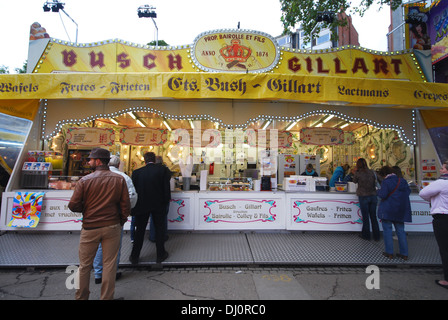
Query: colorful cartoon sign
[(26, 209)]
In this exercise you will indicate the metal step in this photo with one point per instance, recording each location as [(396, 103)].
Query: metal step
[(60, 249)]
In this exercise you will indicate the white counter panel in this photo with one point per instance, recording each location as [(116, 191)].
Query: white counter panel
[(245, 210), (323, 211), (421, 217), (55, 214), (333, 211), (251, 210), (182, 209)]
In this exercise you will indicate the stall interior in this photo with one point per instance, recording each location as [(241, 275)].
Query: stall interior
[(378, 146)]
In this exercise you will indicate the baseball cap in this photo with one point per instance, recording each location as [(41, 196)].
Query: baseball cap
[(99, 153)]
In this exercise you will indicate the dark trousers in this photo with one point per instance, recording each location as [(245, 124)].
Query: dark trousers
[(141, 221), (368, 205), (440, 226)]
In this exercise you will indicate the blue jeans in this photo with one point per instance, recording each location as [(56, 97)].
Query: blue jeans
[(388, 240), (368, 205), (98, 261)]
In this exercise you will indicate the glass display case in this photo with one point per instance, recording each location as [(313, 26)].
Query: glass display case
[(62, 182), (231, 184)]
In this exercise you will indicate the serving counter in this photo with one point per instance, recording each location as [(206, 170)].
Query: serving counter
[(232, 210)]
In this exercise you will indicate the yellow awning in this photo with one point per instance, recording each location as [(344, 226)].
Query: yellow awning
[(269, 86), (26, 109), (435, 118)]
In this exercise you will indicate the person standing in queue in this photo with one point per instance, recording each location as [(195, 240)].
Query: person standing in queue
[(152, 232), (394, 209), (152, 183), (366, 192), (437, 194), (103, 199), (114, 165)]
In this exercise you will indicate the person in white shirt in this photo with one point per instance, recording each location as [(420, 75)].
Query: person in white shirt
[(114, 165), (437, 194)]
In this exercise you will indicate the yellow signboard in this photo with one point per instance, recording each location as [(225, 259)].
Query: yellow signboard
[(310, 89), (112, 56), (235, 51), (351, 62), (232, 51)]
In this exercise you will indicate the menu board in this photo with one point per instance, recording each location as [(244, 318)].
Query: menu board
[(321, 136), (90, 137), (143, 136)]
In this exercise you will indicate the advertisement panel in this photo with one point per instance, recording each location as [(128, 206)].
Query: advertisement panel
[(437, 27)]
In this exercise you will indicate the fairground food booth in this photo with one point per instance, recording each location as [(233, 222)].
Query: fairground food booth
[(234, 116)]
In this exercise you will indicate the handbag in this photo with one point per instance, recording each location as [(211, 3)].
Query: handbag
[(394, 189)]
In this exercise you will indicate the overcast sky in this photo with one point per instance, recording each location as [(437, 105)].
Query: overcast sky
[(178, 22)]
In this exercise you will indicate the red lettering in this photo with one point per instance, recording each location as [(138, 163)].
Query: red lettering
[(148, 61), (337, 64), (309, 64), (96, 59), (175, 61), (380, 66), (293, 64), (68, 58), (360, 64), (320, 66), (396, 63), (122, 60)]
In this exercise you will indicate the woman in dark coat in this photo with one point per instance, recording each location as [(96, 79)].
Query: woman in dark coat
[(368, 200), (394, 209)]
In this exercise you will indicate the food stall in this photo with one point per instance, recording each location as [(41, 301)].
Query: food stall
[(233, 105)]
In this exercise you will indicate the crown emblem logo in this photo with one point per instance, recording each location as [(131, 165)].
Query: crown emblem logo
[(235, 52)]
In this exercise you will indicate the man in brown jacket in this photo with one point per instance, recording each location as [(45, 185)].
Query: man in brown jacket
[(103, 199)]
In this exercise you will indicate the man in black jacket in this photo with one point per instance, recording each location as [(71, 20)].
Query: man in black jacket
[(152, 182)]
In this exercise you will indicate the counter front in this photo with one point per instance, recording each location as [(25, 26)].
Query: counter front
[(226, 210)]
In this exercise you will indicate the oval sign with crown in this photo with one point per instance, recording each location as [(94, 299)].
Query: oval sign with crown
[(235, 50)]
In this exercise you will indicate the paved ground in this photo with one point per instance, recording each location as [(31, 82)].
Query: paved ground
[(236, 284)]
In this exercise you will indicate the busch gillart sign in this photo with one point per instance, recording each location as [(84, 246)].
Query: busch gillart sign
[(235, 51)]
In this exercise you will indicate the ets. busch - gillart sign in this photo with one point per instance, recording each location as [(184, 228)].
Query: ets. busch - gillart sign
[(235, 50)]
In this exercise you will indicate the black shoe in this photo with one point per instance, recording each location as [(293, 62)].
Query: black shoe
[(364, 238), (388, 255), (162, 258), (133, 260)]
